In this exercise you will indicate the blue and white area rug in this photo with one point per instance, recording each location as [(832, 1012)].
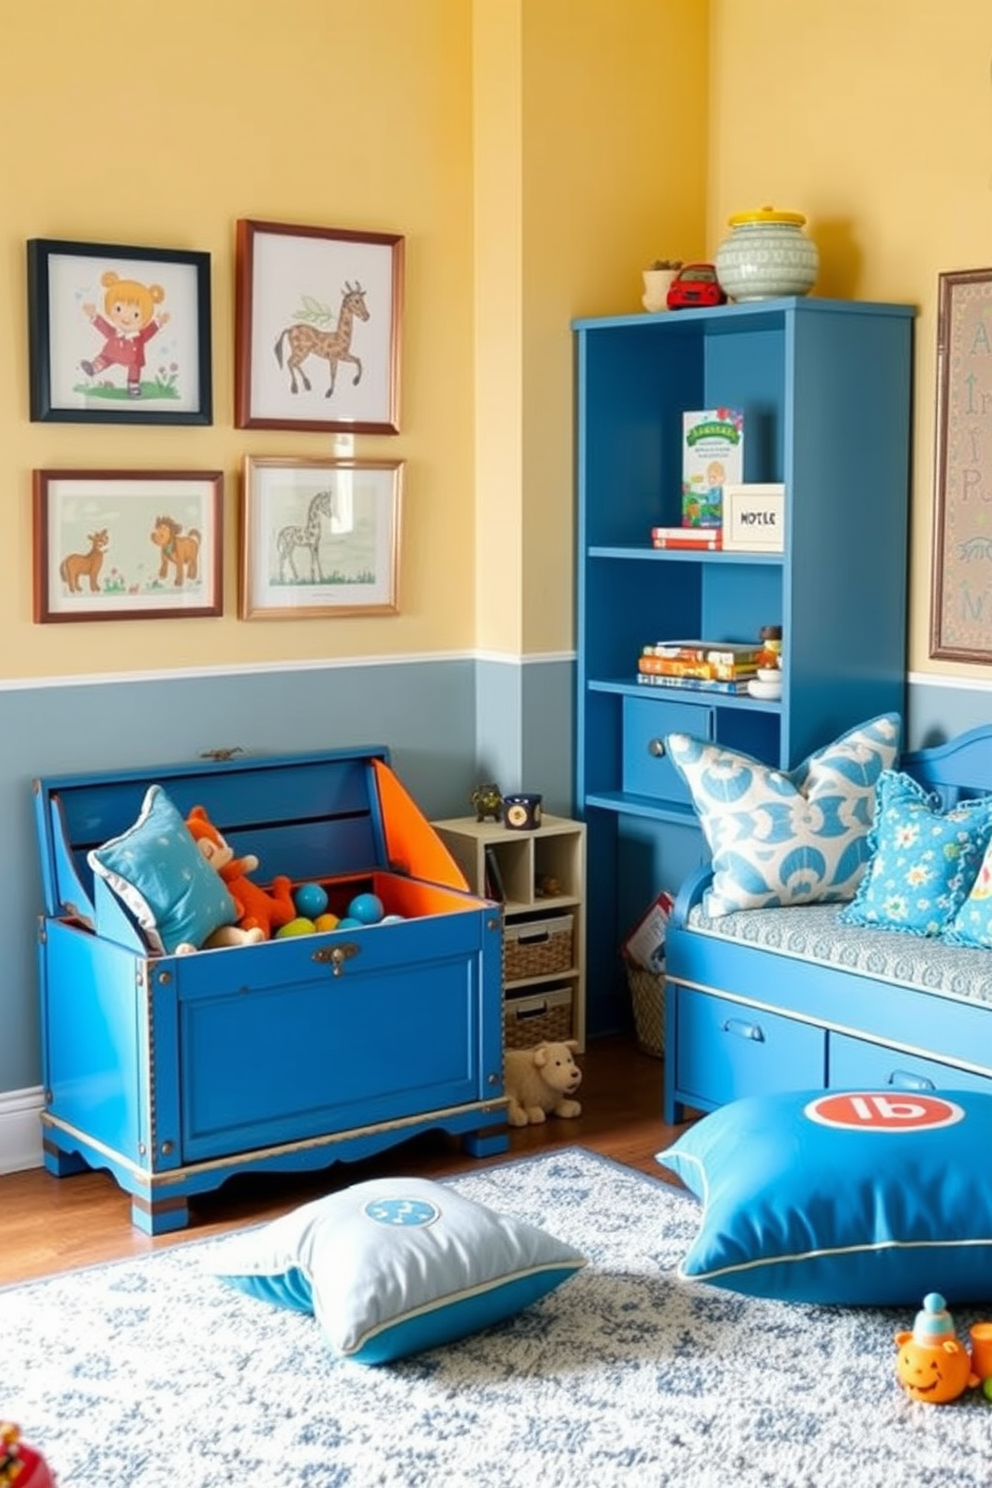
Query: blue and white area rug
[(150, 1372)]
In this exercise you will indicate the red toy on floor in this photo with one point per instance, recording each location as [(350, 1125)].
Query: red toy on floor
[(20, 1464)]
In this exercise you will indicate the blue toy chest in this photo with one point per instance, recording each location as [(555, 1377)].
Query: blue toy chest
[(175, 1072)]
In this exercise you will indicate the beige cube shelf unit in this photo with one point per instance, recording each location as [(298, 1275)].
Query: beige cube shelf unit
[(539, 878)]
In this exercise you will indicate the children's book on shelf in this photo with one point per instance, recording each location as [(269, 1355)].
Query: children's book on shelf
[(730, 653), (712, 455), (709, 539), (712, 671), (695, 684)]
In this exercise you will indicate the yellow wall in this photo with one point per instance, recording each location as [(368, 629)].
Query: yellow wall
[(874, 118), (161, 125), (522, 171), (535, 154)]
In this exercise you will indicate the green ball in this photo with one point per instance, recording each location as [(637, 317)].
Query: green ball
[(299, 926), (987, 1387)]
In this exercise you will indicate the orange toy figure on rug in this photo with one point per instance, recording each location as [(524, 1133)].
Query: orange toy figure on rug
[(933, 1365), (259, 910)]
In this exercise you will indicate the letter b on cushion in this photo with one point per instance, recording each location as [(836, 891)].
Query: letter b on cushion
[(873, 1197), (781, 838)]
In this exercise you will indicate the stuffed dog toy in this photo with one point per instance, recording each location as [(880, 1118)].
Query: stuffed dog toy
[(540, 1082)]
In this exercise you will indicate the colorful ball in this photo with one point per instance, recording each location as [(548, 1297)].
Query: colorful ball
[(326, 922), (987, 1388), (311, 900), (300, 926), (393, 919), (348, 922), (368, 909)]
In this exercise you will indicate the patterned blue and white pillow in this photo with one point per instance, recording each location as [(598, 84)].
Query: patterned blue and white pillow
[(778, 837), (157, 870), (396, 1265), (923, 860)]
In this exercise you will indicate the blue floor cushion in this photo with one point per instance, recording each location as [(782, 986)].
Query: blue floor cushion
[(396, 1265), (874, 1197)]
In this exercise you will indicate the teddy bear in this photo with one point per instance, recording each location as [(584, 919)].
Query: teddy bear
[(540, 1081), (259, 911)]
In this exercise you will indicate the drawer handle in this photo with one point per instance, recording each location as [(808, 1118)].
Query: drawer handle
[(656, 748), (539, 938), (904, 1080), (744, 1030)]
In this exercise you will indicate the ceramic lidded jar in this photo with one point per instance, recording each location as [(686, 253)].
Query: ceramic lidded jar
[(766, 255)]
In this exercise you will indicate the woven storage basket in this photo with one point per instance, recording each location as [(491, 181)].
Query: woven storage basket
[(533, 948), (536, 1020), (647, 989)]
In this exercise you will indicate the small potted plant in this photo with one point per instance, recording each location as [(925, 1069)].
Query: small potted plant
[(657, 278)]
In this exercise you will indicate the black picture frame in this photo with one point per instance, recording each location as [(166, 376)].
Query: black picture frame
[(70, 294)]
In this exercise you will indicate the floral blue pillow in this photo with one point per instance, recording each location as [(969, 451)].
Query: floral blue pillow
[(396, 1265), (871, 1197), (157, 870), (923, 860), (778, 837)]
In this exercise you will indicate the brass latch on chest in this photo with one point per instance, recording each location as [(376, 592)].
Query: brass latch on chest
[(337, 955)]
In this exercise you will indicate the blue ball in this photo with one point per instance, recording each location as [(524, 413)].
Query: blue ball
[(348, 922), (311, 900), (368, 909)]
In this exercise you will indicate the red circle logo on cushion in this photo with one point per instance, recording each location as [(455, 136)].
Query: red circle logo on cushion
[(883, 1111)]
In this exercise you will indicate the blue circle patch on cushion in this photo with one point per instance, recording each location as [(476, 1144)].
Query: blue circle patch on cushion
[(402, 1212)]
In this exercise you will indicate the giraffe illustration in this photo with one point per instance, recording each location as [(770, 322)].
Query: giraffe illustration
[(308, 536), (334, 346)]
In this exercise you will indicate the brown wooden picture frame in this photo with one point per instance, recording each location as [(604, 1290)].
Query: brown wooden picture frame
[(961, 572), (317, 328), (127, 545), (319, 538)]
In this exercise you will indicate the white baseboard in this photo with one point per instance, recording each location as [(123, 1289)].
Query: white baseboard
[(20, 1130)]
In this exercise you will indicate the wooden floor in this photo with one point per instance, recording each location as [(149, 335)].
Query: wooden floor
[(54, 1224)]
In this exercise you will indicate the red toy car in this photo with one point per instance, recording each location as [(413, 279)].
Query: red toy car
[(695, 285)]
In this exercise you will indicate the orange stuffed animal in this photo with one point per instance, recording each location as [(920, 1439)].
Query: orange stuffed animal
[(259, 910)]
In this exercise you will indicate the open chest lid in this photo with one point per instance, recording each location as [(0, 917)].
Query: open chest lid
[(310, 816)]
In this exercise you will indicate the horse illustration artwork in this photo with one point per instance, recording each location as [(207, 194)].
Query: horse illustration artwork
[(333, 346), (182, 549), (308, 536), (75, 566)]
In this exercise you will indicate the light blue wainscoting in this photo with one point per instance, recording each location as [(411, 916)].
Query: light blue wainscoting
[(425, 710)]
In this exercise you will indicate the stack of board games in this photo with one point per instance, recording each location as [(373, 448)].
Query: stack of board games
[(708, 666)]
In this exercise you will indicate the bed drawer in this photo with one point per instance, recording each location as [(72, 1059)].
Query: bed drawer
[(726, 1050), (854, 1061)]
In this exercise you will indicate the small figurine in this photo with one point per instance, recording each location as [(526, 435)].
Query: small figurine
[(20, 1463), (933, 1365), (488, 801)]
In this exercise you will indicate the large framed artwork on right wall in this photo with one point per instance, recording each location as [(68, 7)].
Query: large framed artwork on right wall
[(961, 583)]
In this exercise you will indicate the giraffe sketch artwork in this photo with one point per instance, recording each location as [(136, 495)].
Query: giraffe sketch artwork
[(318, 328), (331, 346), (292, 537)]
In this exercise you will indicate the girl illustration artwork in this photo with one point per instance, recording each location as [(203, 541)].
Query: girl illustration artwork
[(127, 325)]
